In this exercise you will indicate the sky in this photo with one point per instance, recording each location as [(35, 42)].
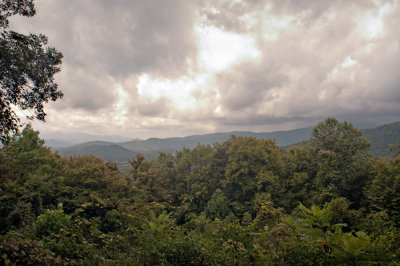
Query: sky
[(171, 68)]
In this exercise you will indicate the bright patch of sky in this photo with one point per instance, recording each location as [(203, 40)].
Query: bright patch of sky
[(371, 23), (179, 91), (348, 62), (121, 106), (219, 50)]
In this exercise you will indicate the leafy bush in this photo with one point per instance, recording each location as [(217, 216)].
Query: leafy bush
[(51, 223)]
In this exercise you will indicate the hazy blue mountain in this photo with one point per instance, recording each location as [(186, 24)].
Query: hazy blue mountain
[(380, 138), (107, 151), (151, 147), (173, 144), (59, 139)]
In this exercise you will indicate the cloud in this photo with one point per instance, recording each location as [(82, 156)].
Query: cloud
[(153, 108), (84, 91), (124, 38), (165, 68), (102, 40), (249, 85), (302, 74)]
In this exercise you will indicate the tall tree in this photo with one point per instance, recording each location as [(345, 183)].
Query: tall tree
[(342, 159), (343, 139), (27, 68), (301, 170), (252, 172), (194, 170)]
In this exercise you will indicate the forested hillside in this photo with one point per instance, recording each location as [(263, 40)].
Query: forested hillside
[(241, 202), (381, 137), (107, 151)]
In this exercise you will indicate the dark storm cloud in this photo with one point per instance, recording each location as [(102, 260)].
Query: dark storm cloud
[(103, 40), (123, 37), (147, 36)]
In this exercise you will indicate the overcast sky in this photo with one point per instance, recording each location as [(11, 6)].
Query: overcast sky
[(161, 68)]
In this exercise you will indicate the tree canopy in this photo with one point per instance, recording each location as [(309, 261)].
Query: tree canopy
[(241, 202), (27, 69)]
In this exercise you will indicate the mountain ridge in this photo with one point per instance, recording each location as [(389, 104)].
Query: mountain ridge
[(380, 138)]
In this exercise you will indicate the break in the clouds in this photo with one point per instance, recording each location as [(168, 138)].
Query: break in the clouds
[(170, 68)]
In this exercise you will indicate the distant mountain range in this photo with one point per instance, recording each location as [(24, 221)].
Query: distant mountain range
[(60, 139), (380, 138), (150, 148)]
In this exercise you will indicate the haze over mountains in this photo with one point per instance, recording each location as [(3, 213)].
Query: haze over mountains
[(60, 139), (121, 149)]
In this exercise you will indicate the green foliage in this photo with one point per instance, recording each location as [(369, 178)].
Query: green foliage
[(176, 246), (197, 181), (27, 70), (298, 182), (6, 169), (267, 217), (253, 166), (242, 202), (382, 137), (52, 222), (157, 225), (343, 162), (9, 8), (31, 165), (28, 154), (218, 206), (395, 148), (342, 139), (19, 251), (383, 193), (312, 236)]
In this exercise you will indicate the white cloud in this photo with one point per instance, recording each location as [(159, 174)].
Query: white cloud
[(219, 50), (348, 62)]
